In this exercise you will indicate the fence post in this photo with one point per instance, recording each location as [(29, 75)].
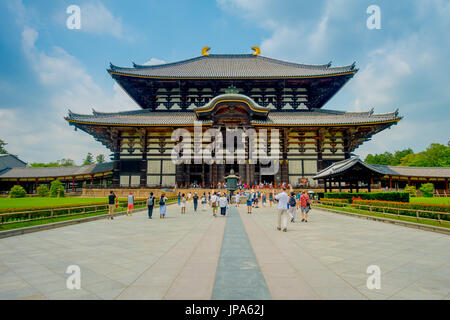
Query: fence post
[(417, 215), (439, 218), (51, 214)]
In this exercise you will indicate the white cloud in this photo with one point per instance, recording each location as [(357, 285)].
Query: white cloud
[(154, 61), (97, 19)]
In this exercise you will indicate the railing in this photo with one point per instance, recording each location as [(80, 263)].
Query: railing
[(53, 213), (384, 210)]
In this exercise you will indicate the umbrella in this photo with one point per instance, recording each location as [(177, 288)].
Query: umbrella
[(311, 191)]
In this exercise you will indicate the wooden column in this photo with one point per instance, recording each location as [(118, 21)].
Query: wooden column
[(390, 182), (446, 185), (36, 184), (116, 158), (340, 184), (73, 184), (144, 165), (369, 182)]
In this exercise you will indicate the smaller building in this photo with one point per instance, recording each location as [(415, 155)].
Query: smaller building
[(354, 173), (74, 178), (9, 161)]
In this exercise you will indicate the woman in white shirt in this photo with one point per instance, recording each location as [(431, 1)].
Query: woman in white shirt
[(183, 204), (223, 204)]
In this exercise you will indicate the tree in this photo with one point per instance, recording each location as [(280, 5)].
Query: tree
[(2, 147), (56, 189), (43, 190), (17, 192), (89, 159), (66, 162), (427, 190), (100, 158)]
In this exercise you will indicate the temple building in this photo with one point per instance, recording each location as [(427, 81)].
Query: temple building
[(228, 91)]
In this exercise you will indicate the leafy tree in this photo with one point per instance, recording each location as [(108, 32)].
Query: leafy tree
[(56, 189), (17, 192), (100, 158), (2, 147), (66, 162), (43, 190), (89, 159), (427, 190), (412, 191)]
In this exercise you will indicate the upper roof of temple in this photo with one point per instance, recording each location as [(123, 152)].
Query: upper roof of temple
[(233, 66)]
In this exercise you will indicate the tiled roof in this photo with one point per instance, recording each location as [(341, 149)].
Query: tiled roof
[(232, 66), (50, 172), (421, 172), (167, 118), (8, 161)]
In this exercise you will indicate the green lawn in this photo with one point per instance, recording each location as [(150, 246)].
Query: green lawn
[(434, 200), (11, 203)]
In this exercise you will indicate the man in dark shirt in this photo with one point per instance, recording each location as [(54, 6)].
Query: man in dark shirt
[(150, 204), (111, 204)]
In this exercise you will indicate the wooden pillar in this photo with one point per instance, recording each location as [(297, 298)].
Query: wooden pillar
[(446, 185), (357, 186), (325, 185), (319, 151), (390, 182), (116, 159), (144, 164), (340, 184), (351, 186), (409, 181), (369, 182), (92, 179), (73, 184), (331, 185)]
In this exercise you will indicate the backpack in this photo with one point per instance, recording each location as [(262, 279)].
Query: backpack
[(162, 201), (151, 201), (292, 202)]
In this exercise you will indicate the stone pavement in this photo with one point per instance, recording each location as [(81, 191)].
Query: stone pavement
[(197, 256)]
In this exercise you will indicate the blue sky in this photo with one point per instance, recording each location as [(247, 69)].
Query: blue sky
[(48, 69)]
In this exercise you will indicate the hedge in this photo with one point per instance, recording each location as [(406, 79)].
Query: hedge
[(380, 196), (391, 206)]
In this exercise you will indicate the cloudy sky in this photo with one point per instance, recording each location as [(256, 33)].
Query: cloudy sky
[(48, 68)]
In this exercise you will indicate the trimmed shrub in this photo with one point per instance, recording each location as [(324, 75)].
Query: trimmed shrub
[(43, 190), (17, 192), (411, 190), (380, 196), (411, 208), (56, 189), (427, 190)]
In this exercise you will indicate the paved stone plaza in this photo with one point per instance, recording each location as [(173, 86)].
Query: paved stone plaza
[(197, 256)]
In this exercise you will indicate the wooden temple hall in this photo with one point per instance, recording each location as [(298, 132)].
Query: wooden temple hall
[(229, 91)]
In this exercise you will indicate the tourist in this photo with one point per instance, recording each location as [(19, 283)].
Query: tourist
[(130, 204), (179, 198), (204, 201), (209, 197), (249, 202), (214, 204), (183, 204), (298, 199), (150, 204), (195, 198), (292, 206), (111, 204), (264, 199), (237, 199), (189, 195), (305, 206), (162, 206), (223, 202), (282, 208), (271, 199)]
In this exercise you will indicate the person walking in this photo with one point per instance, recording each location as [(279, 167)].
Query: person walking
[(237, 198), (264, 199), (189, 195), (130, 206), (249, 202), (195, 199), (179, 198), (150, 205), (162, 206), (111, 204), (282, 209), (305, 206), (271, 199), (223, 202), (204, 200), (214, 204), (292, 206), (183, 204)]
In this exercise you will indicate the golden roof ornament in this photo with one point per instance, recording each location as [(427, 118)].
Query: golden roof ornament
[(205, 51), (257, 51)]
